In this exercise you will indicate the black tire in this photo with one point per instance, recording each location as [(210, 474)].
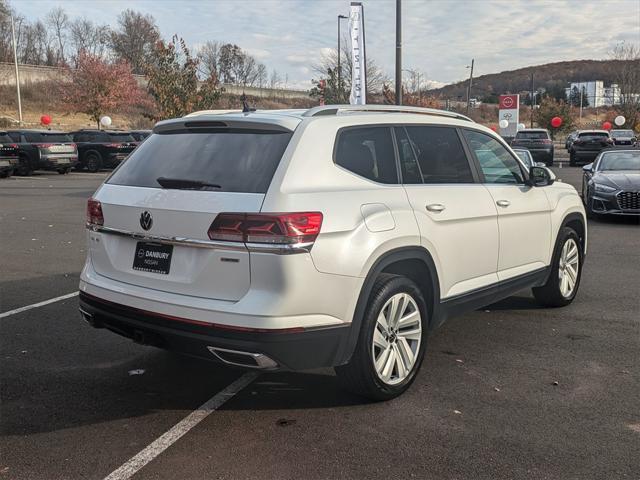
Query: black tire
[(359, 375), (93, 161), (572, 159), (62, 171), (550, 294), (24, 167), (5, 174)]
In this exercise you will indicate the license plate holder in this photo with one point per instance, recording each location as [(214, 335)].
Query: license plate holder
[(153, 257)]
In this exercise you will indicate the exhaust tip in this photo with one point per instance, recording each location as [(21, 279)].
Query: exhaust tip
[(243, 359), (88, 317)]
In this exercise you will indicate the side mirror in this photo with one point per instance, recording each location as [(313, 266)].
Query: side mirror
[(588, 168), (541, 176), (539, 164)]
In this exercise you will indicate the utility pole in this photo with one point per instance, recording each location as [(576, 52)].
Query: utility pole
[(533, 99), (581, 89), (15, 61), (469, 86), (340, 17), (398, 52)]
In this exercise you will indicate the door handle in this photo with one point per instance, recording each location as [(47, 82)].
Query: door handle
[(435, 207), (503, 203)]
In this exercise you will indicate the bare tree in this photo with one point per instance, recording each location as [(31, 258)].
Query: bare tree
[(209, 57), (627, 75), (261, 76), (88, 37), (274, 79), (135, 39), (58, 21), (375, 76)]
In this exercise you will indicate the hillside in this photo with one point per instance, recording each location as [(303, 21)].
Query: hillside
[(549, 76)]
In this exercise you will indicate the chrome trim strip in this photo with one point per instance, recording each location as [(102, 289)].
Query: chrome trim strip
[(280, 249)]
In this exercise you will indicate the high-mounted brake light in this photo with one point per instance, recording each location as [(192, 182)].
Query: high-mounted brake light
[(94, 212), (269, 228)]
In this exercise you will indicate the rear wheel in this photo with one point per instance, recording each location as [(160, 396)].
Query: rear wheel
[(393, 338), (566, 270), (572, 159), (24, 166), (93, 161)]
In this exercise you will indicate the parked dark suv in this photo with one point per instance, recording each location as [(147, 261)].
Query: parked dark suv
[(538, 142), (44, 150), (624, 137), (589, 143), (8, 155), (102, 148)]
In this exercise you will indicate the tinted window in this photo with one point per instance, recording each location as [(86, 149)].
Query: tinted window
[(15, 136), (80, 137), (594, 134), (56, 137), (5, 138), (237, 160), (368, 152), (120, 137), (408, 164), (532, 135), (440, 153), (497, 164)]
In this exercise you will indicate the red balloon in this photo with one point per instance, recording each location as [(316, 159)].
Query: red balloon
[(45, 119), (607, 125), (556, 122), (494, 128)]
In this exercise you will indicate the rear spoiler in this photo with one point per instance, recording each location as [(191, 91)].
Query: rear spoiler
[(248, 123)]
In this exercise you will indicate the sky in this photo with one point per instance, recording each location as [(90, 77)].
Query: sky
[(440, 37)]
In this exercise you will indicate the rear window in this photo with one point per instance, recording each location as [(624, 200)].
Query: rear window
[(38, 137), (121, 137), (593, 134), (239, 160), (622, 133), (5, 138), (532, 135)]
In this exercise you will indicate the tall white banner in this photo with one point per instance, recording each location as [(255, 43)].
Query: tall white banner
[(358, 58)]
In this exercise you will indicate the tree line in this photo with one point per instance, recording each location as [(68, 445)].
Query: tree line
[(57, 40)]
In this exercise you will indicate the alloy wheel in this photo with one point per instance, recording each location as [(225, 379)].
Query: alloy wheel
[(568, 267), (396, 338)]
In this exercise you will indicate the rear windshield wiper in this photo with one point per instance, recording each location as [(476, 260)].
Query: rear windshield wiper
[(184, 184)]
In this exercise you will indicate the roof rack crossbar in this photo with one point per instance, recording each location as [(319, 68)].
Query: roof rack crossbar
[(335, 109)]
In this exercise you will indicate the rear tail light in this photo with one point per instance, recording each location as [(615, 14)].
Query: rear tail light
[(94, 212), (269, 228), (114, 145), (45, 145)]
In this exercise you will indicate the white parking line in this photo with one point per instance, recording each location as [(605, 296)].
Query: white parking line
[(172, 435), (39, 304)]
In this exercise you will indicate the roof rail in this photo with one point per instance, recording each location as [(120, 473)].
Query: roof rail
[(335, 109)]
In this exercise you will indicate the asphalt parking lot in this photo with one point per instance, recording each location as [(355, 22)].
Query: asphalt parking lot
[(510, 391)]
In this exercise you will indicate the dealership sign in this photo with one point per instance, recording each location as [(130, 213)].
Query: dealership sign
[(358, 59), (509, 109)]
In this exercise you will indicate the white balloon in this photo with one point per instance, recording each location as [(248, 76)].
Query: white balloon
[(504, 123), (521, 126), (105, 121), (619, 120)]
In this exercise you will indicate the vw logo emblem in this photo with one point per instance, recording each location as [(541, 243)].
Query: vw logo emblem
[(146, 220)]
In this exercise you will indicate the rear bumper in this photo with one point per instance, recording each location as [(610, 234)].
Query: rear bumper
[(290, 349), (586, 155), (56, 162)]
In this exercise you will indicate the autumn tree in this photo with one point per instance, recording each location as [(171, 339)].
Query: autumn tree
[(173, 81), (98, 87), (549, 108)]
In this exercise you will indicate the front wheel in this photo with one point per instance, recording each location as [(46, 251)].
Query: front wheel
[(566, 270), (392, 342), (93, 161), (572, 159)]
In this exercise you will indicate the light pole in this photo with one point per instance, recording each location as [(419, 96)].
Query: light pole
[(340, 17), (469, 85), (398, 52), (15, 60)]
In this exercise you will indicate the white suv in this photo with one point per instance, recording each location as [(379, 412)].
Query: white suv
[(336, 236)]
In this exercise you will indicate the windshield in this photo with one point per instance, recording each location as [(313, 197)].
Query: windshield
[(532, 135), (619, 161), (236, 160), (622, 133)]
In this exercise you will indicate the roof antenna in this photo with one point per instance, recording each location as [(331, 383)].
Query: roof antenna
[(245, 105)]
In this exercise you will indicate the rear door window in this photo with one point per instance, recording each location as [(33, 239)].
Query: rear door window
[(440, 154), (121, 137), (368, 152), (238, 160)]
